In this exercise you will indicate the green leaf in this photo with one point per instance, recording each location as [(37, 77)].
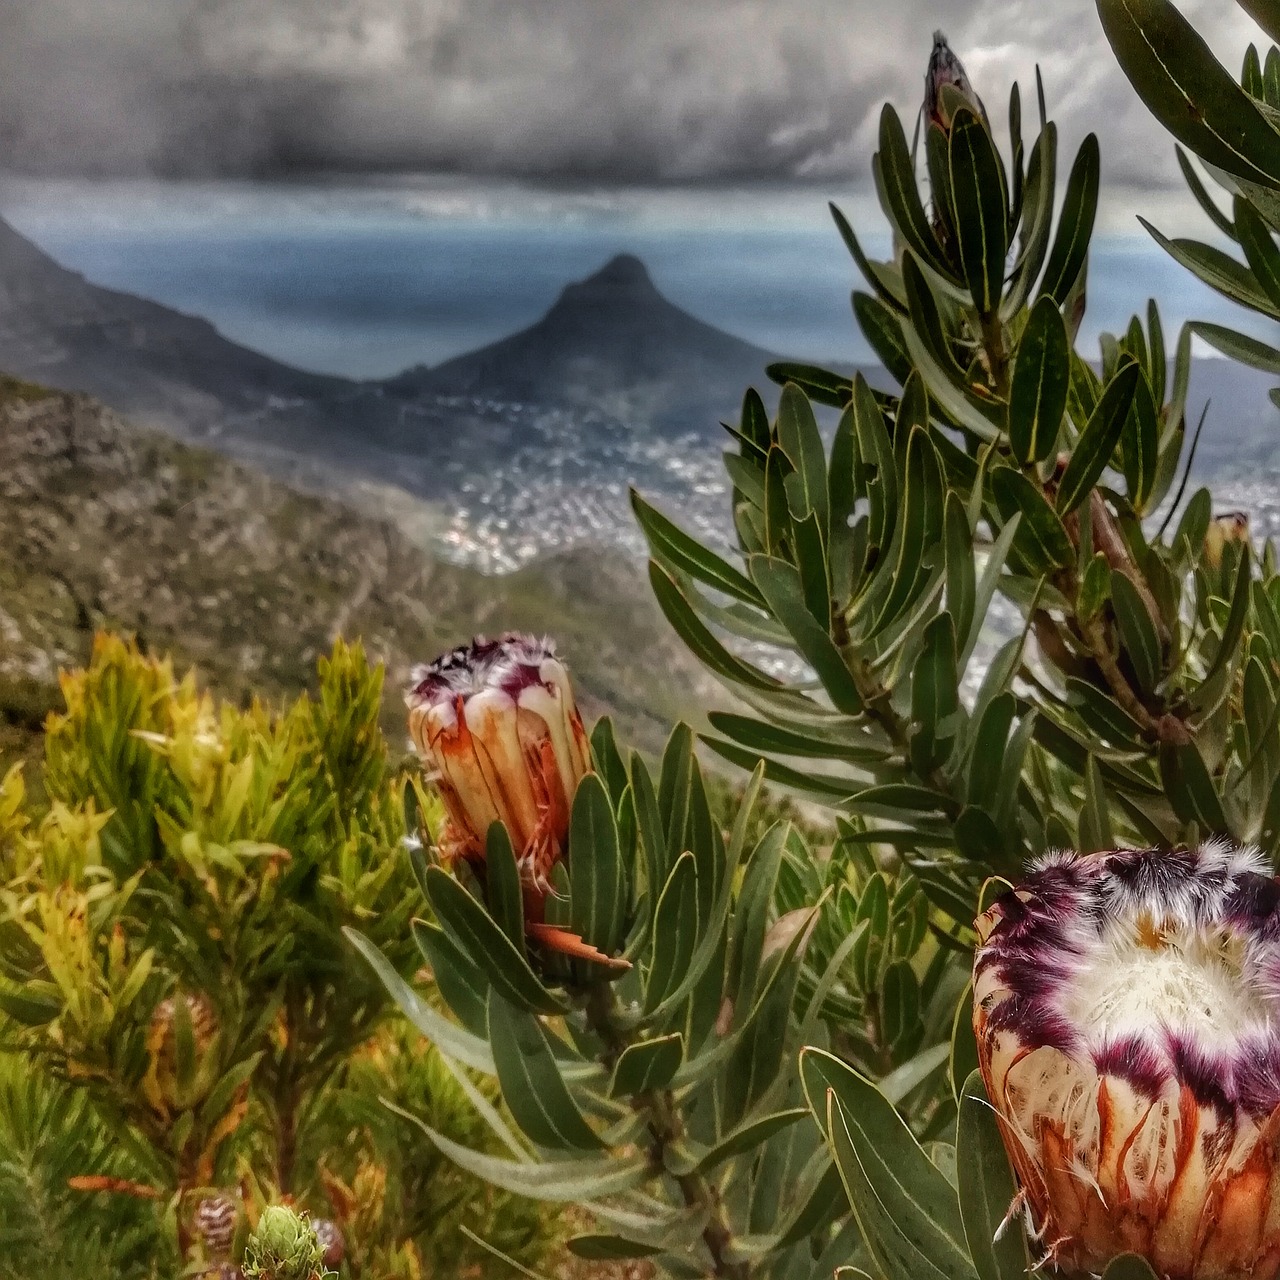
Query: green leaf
[(699, 638), (896, 183), (457, 977), (29, 1008), (927, 346), (1218, 270), (1042, 538), (1095, 815), (1234, 627), (532, 1086), (981, 204), (1140, 445), (879, 277), (987, 1189), (908, 1213), (669, 543), (748, 1137), (486, 945), (597, 878), (503, 891), (1037, 220), (1095, 588), (883, 331), (963, 1049), (1267, 16), (1098, 440), (1184, 86), (783, 589), (1041, 378), (1190, 789), (820, 385), (606, 1248), (935, 696), (1203, 198), (759, 735), (471, 1050), (1075, 223), (1259, 249), (1239, 346), (647, 1065), (561, 1180), (675, 931), (1137, 631)]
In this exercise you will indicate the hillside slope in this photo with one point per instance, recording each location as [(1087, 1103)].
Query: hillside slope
[(107, 525)]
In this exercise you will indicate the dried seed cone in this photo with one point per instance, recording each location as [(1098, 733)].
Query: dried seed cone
[(162, 1083), (1127, 1011), (215, 1223), (496, 724)]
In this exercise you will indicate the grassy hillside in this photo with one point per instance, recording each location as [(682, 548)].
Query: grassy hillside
[(107, 525)]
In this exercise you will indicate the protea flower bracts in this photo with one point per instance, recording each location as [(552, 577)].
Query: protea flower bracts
[(496, 724), (1127, 1010)]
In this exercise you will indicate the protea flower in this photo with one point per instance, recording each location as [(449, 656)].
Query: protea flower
[(1127, 1009), (945, 68), (496, 724)]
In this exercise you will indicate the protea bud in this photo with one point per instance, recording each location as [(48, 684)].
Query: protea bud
[(1127, 1010), (496, 723), (215, 1223), (1231, 526), (332, 1244), (282, 1247), (946, 69)]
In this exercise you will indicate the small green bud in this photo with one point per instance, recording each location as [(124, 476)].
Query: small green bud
[(282, 1247)]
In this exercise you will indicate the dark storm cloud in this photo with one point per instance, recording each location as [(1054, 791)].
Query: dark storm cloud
[(612, 90)]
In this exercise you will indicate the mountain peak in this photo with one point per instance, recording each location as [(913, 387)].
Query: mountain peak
[(623, 279)]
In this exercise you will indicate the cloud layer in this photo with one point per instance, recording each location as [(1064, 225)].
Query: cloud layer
[(561, 90)]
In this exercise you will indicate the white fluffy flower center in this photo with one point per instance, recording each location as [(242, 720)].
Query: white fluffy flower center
[(1140, 977)]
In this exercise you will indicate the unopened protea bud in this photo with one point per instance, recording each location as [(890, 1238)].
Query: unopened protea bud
[(215, 1223), (1127, 1010), (946, 69), (1231, 526), (496, 722), (164, 1089), (333, 1246), (282, 1247)]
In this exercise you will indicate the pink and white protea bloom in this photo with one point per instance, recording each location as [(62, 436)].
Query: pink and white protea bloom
[(497, 726), (1127, 1009), (946, 69)]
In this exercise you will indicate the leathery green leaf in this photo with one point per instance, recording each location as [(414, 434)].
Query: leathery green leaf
[(987, 1189), (675, 930), (670, 543), (503, 890), (597, 878), (781, 585), (1137, 631), (486, 945), (1041, 379), (1188, 91), (1075, 224), (700, 639), (1042, 538), (981, 204), (560, 1180), (532, 1086), (904, 1240), (1098, 440), (646, 1065)]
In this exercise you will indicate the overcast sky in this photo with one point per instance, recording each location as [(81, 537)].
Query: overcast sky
[(614, 91)]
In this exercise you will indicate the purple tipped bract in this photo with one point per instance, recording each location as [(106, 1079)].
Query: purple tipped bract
[(946, 69), (1127, 1010)]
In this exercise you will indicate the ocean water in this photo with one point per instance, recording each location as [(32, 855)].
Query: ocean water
[(368, 280)]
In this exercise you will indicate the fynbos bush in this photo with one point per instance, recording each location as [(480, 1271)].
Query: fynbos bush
[(640, 983)]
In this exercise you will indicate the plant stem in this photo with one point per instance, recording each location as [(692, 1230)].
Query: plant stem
[(666, 1130)]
